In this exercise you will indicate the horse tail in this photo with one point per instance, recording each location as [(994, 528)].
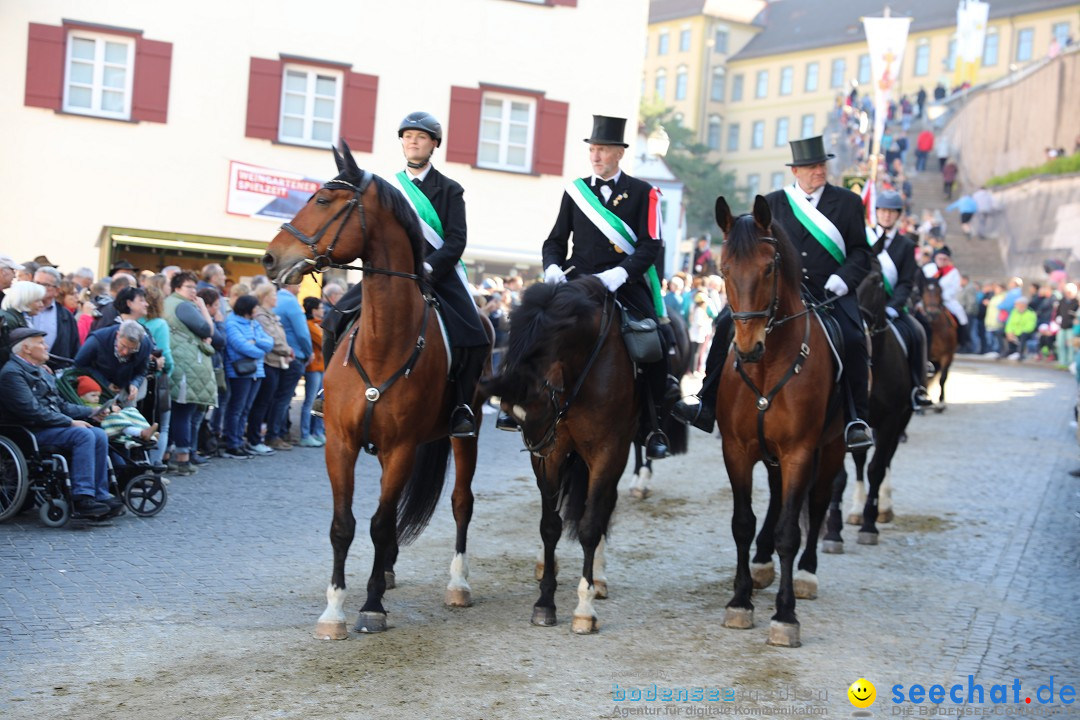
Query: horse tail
[(422, 491), (573, 491)]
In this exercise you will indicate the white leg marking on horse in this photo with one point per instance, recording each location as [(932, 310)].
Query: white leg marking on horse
[(598, 570), (885, 493), (858, 504), (805, 585), (584, 615), (540, 563), (458, 593), (331, 625), (639, 486)]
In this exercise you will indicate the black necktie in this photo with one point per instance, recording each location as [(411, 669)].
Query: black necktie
[(601, 183), (416, 182), (810, 199)]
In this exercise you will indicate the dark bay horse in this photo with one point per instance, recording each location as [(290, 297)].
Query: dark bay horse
[(776, 402), (944, 338), (386, 386), (890, 412), (569, 381)]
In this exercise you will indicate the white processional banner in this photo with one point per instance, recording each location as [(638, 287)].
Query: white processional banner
[(886, 37)]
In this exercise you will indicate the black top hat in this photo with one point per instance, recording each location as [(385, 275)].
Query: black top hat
[(808, 151), (607, 131), (121, 265), (19, 334)]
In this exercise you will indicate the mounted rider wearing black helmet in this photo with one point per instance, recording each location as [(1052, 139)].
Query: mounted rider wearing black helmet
[(421, 121)]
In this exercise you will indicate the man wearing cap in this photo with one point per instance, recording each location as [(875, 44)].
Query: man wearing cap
[(439, 204), (900, 272), (28, 397), (8, 268), (122, 266), (615, 222), (825, 223)]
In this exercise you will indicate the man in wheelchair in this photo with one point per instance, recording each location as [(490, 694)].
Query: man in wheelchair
[(29, 397)]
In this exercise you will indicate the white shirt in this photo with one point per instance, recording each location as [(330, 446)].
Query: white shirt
[(423, 173), (606, 191), (813, 198), (46, 321)]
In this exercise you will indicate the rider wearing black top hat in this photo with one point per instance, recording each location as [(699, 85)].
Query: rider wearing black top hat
[(825, 223)]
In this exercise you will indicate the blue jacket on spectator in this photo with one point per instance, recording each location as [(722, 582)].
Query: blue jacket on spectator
[(295, 323), (97, 358), (28, 397), (245, 338)]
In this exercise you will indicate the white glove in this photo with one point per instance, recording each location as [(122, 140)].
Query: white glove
[(427, 267), (891, 312), (613, 279), (554, 275), (836, 286)]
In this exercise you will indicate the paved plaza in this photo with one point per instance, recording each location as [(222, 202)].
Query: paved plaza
[(207, 610)]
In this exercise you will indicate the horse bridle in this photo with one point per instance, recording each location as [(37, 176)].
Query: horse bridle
[(547, 441), (321, 261), (768, 313)]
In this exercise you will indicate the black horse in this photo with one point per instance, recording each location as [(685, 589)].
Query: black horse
[(890, 412)]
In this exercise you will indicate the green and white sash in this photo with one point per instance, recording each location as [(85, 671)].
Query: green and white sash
[(618, 233), (889, 273), (430, 224), (819, 226)]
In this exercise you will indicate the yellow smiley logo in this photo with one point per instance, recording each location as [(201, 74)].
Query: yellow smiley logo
[(862, 693)]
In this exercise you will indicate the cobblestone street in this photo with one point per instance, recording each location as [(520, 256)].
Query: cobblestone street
[(207, 610)]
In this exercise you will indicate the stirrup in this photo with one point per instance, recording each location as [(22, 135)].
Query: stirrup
[(662, 439), (317, 404), (858, 423), (917, 403), (471, 432)]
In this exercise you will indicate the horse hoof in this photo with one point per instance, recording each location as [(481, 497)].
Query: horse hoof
[(737, 618), (805, 585), (640, 493), (544, 616), (601, 589), (783, 634), (832, 547), (854, 519), (391, 579), (939, 408), (885, 516), (867, 538), (458, 597), (763, 574), (331, 630), (371, 622), (584, 625)]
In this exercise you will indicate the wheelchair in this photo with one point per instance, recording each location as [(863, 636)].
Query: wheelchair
[(37, 475)]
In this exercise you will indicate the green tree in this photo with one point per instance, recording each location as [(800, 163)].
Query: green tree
[(704, 178)]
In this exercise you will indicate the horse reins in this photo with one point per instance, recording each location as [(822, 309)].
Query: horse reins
[(548, 438), (322, 261)]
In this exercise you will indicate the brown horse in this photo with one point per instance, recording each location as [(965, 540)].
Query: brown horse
[(386, 387), (569, 381), (943, 336), (776, 402)]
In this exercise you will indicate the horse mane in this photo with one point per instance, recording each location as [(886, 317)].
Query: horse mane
[(390, 197), (744, 240), (547, 316)]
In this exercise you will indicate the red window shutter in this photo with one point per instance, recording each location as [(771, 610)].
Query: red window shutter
[(358, 111), (550, 144), (45, 67), (264, 99), (463, 125), (150, 95)]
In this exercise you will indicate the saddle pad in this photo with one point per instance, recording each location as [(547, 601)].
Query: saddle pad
[(899, 337), (832, 334)]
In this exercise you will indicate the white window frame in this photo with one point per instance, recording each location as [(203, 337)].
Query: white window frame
[(757, 135), (785, 123), (685, 35), (308, 117), (731, 141), (804, 133), (753, 185), (97, 84), (715, 134), (719, 82), (663, 42), (991, 33), (776, 180), (761, 84), (1021, 33), (838, 64), (816, 75), (920, 66), (787, 79), (660, 84), (862, 73), (681, 80), (507, 100)]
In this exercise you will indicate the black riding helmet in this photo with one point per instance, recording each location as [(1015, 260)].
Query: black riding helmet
[(890, 200), (422, 121)]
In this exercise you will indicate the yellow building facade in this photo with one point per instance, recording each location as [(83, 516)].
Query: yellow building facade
[(788, 95)]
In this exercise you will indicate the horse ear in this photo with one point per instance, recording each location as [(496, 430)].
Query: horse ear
[(338, 160), (724, 218), (762, 213)]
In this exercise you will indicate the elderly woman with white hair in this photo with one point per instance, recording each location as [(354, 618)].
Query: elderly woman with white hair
[(21, 302)]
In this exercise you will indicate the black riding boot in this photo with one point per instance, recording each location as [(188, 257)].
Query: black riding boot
[(917, 363), (702, 414), (462, 420), (656, 380)]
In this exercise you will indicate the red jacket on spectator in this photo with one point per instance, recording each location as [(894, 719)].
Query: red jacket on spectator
[(925, 143)]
